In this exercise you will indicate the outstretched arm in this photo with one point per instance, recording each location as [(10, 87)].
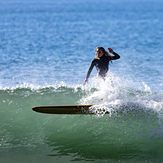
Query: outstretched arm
[(89, 72), (116, 56)]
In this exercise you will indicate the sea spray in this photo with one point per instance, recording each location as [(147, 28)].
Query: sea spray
[(117, 99)]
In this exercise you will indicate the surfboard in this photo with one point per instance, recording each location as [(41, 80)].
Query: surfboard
[(64, 109)]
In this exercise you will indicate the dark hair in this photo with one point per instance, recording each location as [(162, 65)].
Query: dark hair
[(104, 51)]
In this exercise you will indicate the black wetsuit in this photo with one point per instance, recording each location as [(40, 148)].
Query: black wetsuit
[(101, 65)]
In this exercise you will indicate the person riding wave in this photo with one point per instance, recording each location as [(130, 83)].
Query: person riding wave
[(101, 62)]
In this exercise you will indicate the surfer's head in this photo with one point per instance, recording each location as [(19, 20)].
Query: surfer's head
[(100, 51)]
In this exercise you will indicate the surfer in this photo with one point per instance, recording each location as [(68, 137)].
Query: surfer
[(101, 61)]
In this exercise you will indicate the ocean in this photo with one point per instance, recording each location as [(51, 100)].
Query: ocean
[(46, 48)]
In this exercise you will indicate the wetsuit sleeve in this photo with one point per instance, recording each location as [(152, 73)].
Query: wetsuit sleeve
[(90, 69), (116, 56)]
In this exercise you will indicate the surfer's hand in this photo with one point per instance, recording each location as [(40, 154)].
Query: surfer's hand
[(110, 50), (86, 80)]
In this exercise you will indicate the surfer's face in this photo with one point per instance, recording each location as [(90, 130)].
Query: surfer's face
[(99, 53)]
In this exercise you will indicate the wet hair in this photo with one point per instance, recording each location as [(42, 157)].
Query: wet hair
[(104, 51)]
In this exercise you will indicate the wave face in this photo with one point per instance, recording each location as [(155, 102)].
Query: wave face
[(133, 130)]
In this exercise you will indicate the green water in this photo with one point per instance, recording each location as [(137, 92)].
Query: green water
[(26, 136)]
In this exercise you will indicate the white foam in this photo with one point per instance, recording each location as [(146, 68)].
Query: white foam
[(121, 94)]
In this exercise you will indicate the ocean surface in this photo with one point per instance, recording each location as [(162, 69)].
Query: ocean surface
[(46, 47)]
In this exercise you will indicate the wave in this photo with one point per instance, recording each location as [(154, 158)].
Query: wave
[(113, 93), (135, 119), (103, 94)]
